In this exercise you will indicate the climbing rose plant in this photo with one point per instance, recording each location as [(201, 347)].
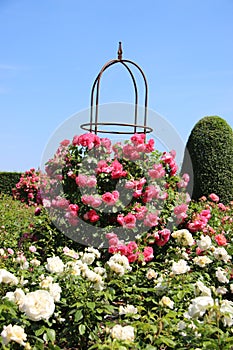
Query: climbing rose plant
[(124, 196)]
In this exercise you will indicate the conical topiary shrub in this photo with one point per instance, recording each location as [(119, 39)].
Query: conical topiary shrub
[(210, 150)]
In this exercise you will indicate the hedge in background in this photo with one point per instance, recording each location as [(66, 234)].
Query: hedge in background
[(8, 180), (210, 147)]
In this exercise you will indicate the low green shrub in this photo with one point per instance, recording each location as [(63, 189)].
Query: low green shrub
[(8, 180)]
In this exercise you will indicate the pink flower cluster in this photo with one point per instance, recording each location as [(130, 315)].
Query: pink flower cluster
[(115, 168), (134, 150), (27, 189), (199, 221), (88, 140), (169, 159), (130, 250)]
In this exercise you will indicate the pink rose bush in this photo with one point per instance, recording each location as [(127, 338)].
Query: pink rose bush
[(127, 188), (27, 189)]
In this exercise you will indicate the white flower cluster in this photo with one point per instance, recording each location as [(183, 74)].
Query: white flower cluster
[(180, 267), (55, 265), (36, 305), (119, 264), (8, 277), (167, 302), (13, 333), (128, 309), (53, 288), (183, 237), (122, 333), (204, 243)]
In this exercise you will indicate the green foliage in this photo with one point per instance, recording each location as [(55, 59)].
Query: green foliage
[(8, 180), (210, 147)]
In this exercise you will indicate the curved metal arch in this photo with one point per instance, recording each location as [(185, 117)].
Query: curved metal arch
[(96, 89)]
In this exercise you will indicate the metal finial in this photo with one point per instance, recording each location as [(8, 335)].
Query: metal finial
[(120, 51)]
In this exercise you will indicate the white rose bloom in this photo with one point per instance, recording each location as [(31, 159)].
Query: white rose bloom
[(8, 277), (151, 274), (160, 285), (93, 277), (221, 275), (55, 291), (122, 333), (128, 309), (17, 296), (202, 260), (166, 301), (35, 262), (127, 333), (221, 290), (204, 243), (201, 289), (74, 269), (117, 268), (88, 258), (55, 265), (13, 333), (119, 264), (46, 281), (180, 267), (38, 305), (226, 310), (220, 253), (94, 251), (231, 287), (101, 271), (199, 306), (184, 237)]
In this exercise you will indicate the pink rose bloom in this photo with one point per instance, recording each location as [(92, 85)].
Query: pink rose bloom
[(117, 170), (150, 146), (65, 143), (133, 257), (221, 239), (132, 247), (89, 140), (157, 172), (148, 254), (129, 185), (110, 198), (222, 206), (128, 221), (113, 249), (91, 181), (214, 197), (10, 251), (81, 180), (122, 248), (138, 139), (61, 203), (162, 237), (103, 167), (92, 201), (140, 148), (110, 235), (91, 215), (151, 220), (75, 140), (106, 143), (140, 212), (167, 157), (113, 241), (74, 207), (32, 249)]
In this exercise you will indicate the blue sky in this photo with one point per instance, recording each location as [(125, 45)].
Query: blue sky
[(52, 50)]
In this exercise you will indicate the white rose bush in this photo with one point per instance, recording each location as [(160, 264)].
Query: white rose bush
[(166, 284)]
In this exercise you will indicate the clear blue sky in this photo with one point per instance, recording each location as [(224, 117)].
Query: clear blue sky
[(52, 50)]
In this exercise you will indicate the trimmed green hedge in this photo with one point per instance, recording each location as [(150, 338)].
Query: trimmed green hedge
[(8, 180), (210, 147)]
